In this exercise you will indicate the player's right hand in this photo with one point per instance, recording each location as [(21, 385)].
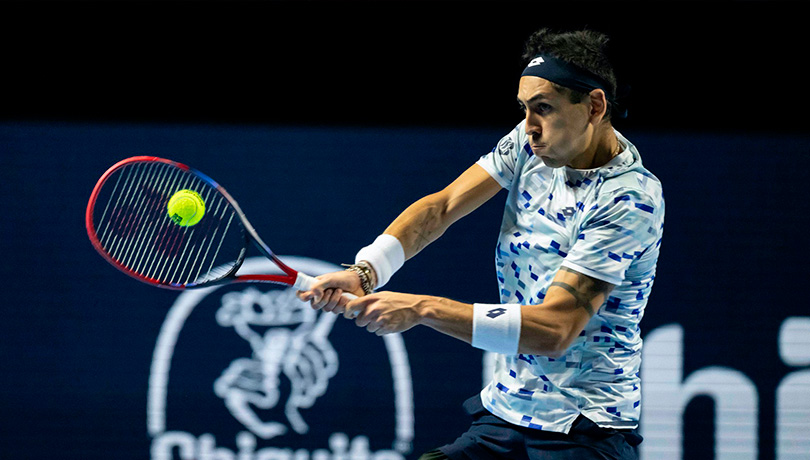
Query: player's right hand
[(327, 293)]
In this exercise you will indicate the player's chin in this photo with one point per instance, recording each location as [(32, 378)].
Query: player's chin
[(551, 162)]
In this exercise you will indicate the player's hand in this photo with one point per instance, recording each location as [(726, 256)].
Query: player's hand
[(385, 312), (327, 293)]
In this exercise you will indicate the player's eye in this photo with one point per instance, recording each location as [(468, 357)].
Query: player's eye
[(542, 108)]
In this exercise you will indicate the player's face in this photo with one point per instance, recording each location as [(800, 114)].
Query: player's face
[(560, 133)]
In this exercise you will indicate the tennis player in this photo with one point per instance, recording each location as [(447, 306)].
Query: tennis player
[(576, 259)]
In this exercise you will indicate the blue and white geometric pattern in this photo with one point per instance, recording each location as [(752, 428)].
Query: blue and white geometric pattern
[(606, 223)]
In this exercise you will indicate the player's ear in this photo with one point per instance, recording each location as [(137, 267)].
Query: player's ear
[(598, 104)]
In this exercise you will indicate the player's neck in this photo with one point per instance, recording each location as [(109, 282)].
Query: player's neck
[(604, 148)]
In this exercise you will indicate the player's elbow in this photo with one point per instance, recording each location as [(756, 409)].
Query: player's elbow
[(552, 339), (550, 343), (550, 329)]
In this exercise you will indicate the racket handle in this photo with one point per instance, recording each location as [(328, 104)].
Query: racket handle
[(304, 282)]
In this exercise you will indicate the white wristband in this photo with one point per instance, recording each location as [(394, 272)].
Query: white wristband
[(385, 255), (496, 327)]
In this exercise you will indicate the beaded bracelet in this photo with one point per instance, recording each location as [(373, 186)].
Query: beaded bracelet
[(364, 272)]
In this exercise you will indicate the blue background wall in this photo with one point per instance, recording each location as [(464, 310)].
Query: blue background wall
[(355, 118)]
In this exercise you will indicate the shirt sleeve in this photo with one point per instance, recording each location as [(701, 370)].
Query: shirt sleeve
[(622, 227), (502, 161)]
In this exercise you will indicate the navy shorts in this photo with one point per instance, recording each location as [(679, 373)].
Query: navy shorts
[(489, 437)]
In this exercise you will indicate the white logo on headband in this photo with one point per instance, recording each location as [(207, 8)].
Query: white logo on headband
[(536, 61)]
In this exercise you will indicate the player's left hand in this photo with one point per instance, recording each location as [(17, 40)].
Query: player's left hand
[(385, 312)]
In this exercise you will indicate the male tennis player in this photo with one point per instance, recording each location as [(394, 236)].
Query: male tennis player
[(575, 259)]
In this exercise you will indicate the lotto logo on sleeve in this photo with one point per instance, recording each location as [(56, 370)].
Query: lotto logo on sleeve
[(496, 312)]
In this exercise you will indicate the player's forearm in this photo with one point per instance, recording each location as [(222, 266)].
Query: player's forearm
[(542, 331), (539, 333), (427, 219), (447, 316), (416, 227), (420, 224)]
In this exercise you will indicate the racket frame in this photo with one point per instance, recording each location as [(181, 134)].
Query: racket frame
[(291, 277)]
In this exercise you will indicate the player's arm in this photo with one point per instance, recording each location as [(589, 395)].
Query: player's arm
[(570, 302), (427, 219), (546, 329), (419, 225)]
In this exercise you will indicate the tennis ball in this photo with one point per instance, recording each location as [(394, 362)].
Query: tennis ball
[(186, 208)]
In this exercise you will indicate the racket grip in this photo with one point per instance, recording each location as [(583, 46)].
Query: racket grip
[(304, 282)]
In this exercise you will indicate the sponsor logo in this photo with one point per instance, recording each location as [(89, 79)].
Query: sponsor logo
[(667, 390), (737, 402), (536, 61), (505, 145), (254, 373)]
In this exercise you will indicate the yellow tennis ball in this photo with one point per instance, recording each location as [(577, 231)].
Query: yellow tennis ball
[(186, 208)]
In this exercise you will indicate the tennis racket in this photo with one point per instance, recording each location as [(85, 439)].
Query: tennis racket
[(129, 224)]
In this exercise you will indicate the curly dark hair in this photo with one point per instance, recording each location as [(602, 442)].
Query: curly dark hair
[(585, 48)]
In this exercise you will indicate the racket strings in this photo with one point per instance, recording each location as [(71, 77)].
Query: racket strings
[(135, 229), (142, 258), (183, 263), (133, 251), (161, 267)]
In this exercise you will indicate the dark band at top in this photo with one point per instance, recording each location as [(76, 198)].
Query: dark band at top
[(568, 75)]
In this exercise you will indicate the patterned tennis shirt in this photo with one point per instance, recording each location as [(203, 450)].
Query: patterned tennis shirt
[(606, 223)]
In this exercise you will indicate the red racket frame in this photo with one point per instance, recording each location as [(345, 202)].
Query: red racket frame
[(289, 277)]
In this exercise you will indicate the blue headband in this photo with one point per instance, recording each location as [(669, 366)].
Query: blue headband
[(570, 76)]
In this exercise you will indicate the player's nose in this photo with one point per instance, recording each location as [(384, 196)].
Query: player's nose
[(534, 131), (532, 127)]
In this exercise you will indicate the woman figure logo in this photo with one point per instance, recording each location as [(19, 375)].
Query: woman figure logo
[(289, 340)]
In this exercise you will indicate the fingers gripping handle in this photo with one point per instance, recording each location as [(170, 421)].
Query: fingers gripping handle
[(305, 282)]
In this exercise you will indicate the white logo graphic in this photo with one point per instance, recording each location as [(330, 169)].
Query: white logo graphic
[(667, 392), (536, 61), (505, 145), (287, 341), (295, 345)]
